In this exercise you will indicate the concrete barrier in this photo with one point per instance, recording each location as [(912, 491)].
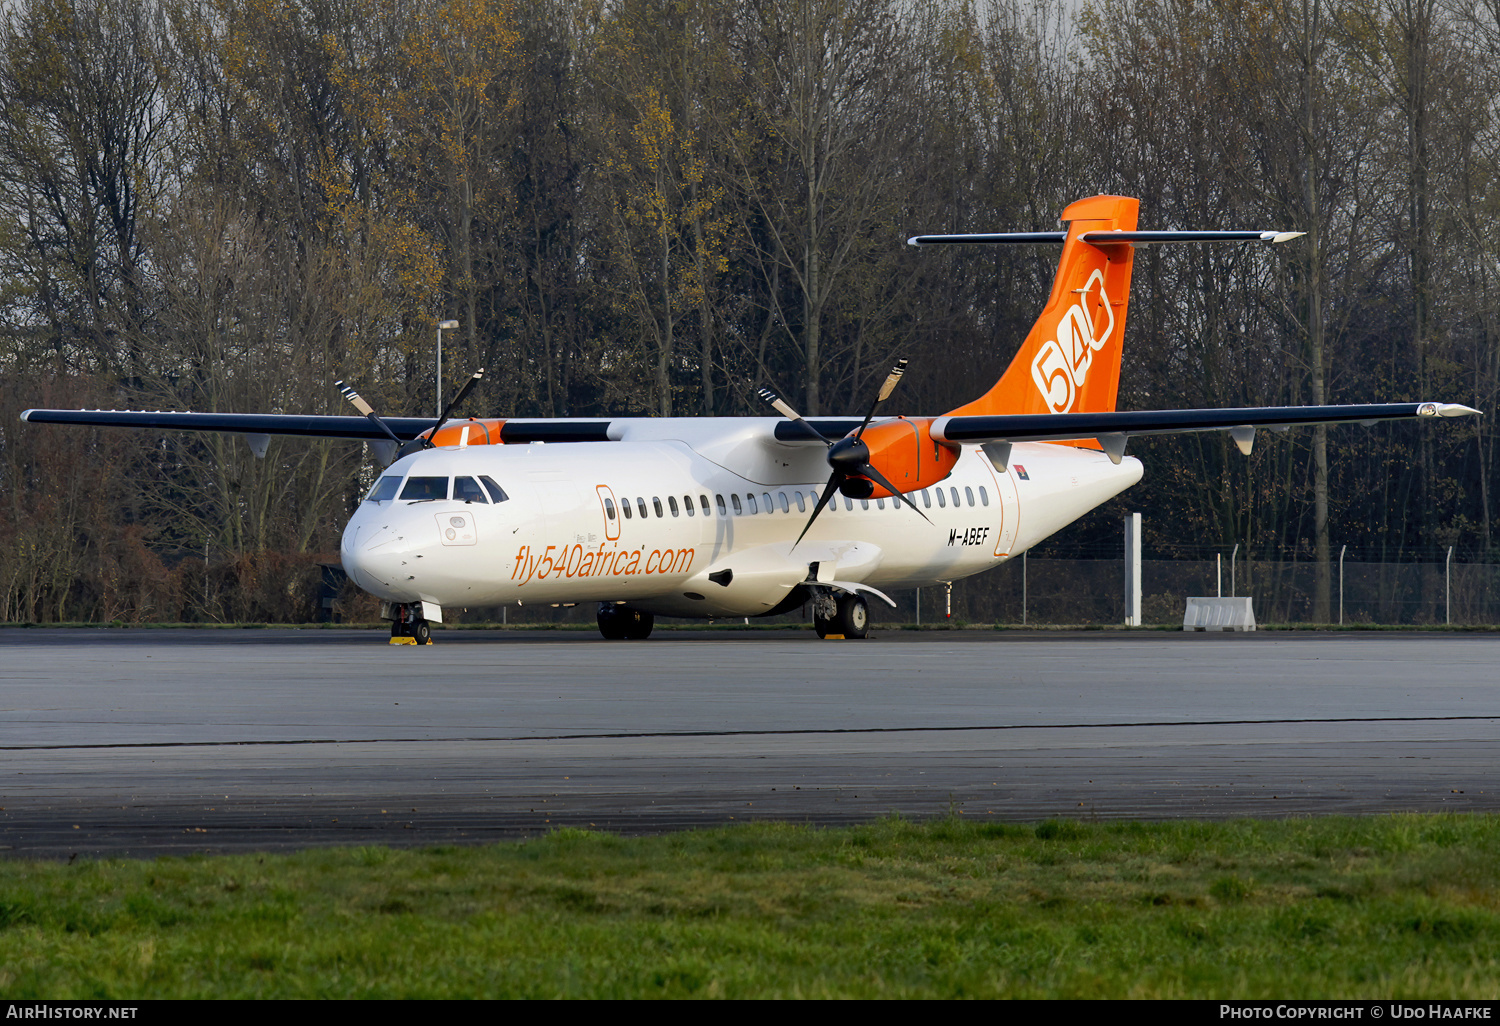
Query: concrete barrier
[(1219, 614)]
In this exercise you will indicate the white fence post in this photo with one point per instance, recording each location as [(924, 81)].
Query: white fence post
[(1341, 584), (1132, 569), (1448, 588)]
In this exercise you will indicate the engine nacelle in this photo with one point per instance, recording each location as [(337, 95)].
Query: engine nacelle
[(907, 454), (472, 431)]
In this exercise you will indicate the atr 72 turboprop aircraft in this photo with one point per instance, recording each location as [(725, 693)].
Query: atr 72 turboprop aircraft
[(719, 517)]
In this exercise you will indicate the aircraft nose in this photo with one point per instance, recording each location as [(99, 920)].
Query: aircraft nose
[(378, 557)]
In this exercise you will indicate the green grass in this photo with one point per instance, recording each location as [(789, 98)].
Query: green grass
[(1399, 907)]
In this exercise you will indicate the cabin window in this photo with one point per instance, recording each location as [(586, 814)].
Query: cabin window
[(704, 500), (497, 494), (926, 498), (672, 504), (625, 508), (466, 489), (801, 505), (880, 503), (640, 503), (970, 493), (770, 506), (609, 508), (384, 489), (984, 496), (942, 503), (420, 489), (864, 503), (955, 497), (848, 504), (723, 510), (736, 500), (656, 504), (687, 505), (750, 504)]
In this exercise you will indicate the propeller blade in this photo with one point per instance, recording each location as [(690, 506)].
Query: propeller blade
[(879, 478), (828, 493), (447, 410), (785, 409), (779, 404), (885, 393), (891, 381), (463, 393), (365, 408)]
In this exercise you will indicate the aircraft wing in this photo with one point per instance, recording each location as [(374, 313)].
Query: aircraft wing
[(355, 428), (1112, 429)]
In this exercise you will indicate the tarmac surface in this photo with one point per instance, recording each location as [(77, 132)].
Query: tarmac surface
[(136, 742)]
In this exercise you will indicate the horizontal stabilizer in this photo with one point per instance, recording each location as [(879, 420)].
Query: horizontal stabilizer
[(1105, 238)]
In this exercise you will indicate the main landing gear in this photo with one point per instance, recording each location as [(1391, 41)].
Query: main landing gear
[(838, 613), (621, 623), (408, 627)]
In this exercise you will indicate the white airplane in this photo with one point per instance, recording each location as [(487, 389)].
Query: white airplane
[(732, 517)]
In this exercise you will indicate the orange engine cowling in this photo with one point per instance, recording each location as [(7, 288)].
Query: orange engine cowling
[(906, 453), (469, 432)]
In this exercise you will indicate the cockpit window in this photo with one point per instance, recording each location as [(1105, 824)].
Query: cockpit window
[(466, 489), (384, 489), (421, 488), (497, 494)]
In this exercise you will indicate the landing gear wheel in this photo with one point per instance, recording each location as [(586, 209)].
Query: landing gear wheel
[(825, 613), (398, 629), (638, 624), (853, 619), (611, 623), (621, 623), (422, 632)]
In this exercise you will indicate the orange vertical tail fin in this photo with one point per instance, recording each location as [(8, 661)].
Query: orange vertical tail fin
[(1070, 362)]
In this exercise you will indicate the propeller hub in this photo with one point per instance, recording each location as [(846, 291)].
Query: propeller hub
[(848, 455)]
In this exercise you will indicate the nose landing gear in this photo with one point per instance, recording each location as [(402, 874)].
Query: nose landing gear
[(407, 624)]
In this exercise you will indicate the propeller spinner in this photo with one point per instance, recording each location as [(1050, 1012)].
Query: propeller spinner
[(848, 456)]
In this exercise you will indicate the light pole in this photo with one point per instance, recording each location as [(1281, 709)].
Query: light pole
[(450, 325)]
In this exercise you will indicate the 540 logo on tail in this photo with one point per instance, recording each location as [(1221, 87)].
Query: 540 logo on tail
[(1062, 366)]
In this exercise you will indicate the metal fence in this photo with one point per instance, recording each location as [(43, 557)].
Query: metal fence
[(1091, 591)]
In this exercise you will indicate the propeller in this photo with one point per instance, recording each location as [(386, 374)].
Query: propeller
[(848, 456), (365, 408), (422, 441)]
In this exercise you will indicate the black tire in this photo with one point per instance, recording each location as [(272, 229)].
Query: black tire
[(638, 624), (621, 623), (824, 627), (611, 623), (422, 632), (853, 618), (398, 629)]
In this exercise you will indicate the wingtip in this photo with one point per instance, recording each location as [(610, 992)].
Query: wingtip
[(1276, 238)]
